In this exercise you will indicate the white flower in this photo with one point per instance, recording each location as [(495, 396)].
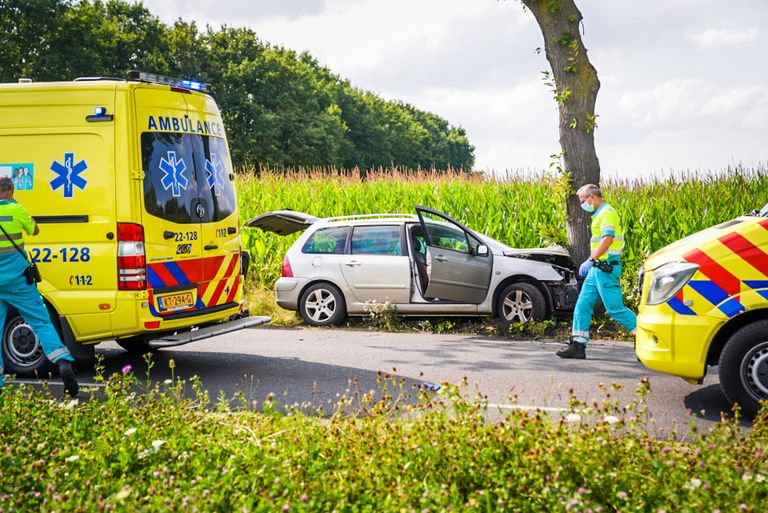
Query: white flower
[(168, 381), (129, 432), (573, 418), (746, 476), (759, 478), (693, 484), (74, 457), (610, 419), (156, 444)]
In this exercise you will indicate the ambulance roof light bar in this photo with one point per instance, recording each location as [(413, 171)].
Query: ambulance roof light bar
[(152, 78)]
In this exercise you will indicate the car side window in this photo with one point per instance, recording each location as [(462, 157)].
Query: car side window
[(327, 241), (376, 240), (447, 237)]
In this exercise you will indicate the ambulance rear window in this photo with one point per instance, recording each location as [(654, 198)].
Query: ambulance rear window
[(186, 175)]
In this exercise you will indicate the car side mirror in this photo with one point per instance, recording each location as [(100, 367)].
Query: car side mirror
[(481, 250)]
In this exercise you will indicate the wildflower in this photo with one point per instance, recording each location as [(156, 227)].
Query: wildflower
[(610, 419), (127, 368), (286, 508), (129, 432), (573, 418), (693, 484), (168, 381), (759, 478), (72, 458), (746, 476), (304, 497), (622, 495), (157, 443), (582, 490), (743, 507)]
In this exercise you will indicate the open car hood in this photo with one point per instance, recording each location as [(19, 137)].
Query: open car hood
[(554, 254), (282, 222)]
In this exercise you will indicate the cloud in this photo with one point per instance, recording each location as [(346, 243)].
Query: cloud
[(723, 37), (689, 101)]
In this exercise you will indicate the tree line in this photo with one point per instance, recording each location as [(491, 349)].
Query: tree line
[(281, 109)]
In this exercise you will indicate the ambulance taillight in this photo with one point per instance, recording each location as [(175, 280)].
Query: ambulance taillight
[(131, 257)]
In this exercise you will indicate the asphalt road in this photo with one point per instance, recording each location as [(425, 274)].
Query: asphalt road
[(307, 365)]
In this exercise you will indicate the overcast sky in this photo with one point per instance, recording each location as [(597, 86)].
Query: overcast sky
[(684, 82)]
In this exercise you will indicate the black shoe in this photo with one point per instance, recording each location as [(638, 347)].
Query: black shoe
[(68, 377), (575, 350)]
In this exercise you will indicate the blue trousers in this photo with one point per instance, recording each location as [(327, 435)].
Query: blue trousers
[(605, 286), (28, 301)]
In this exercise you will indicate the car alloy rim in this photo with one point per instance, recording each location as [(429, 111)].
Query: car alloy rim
[(320, 305), (754, 371), (517, 306), (21, 344)]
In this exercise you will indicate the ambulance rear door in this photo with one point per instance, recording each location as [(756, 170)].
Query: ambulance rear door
[(173, 209), (220, 287)]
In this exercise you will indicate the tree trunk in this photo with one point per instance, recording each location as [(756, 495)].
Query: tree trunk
[(576, 85)]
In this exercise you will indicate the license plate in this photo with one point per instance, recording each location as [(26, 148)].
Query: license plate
[(176, 301)]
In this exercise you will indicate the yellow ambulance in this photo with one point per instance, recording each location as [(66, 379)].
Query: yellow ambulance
[(704, 302), (131, 184)]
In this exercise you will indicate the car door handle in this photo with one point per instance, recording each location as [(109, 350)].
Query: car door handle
[(231, 230), (168, 235), (211, 247), (353, 263), (441, 258)]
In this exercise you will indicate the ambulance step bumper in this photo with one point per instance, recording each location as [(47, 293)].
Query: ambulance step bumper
[(177, 339)]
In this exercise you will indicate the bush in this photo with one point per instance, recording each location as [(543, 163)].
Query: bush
[(169, 449)]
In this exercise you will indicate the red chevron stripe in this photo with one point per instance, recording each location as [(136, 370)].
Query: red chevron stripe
[(233, 292), (714, 271), (217, 292), (231, 265), (165, 275), (211, 267), (753, 255)]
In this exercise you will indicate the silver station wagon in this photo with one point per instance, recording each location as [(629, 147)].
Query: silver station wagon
[(426, 264)]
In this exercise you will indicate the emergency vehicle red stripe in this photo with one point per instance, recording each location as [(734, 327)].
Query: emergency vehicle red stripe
[(764, 224), (231, 265), (211, 267), (715, 272), (233, 292), (164, 274), (217, 292), (753, 255), (191, 269)]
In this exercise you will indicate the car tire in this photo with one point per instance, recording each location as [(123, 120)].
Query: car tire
[(743, 367), (22, 353), (135, 345), (322, 304), (521, 302)]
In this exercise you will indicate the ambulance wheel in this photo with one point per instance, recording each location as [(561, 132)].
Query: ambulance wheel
[(743, 367), (22, 353), (322, 304), (135, 345)]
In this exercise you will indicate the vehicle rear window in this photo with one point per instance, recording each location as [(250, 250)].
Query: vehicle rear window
[(327, 240), (182, 171), (376, 240)]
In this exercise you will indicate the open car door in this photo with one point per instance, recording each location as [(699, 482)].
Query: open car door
[(282, 222), (459, 264)]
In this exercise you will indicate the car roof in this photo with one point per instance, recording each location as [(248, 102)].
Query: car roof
[(369, 219)]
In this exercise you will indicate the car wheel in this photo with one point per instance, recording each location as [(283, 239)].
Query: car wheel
[(521, 302), (322, 304), (743, 367), (22, 353), (135, 345)]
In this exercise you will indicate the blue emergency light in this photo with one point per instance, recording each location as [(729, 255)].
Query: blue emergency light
[(99, 114), (152, 78)]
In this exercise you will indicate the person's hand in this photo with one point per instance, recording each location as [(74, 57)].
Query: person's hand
[(585, 267)]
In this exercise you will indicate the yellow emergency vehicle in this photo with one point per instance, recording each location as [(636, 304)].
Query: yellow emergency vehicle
[(704, 302), (132, 186)]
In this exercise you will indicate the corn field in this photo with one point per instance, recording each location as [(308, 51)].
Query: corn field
[(521, 211)]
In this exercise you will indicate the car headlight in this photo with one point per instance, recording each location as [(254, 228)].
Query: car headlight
[(668, 279)]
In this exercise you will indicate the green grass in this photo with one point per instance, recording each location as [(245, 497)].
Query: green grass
[(391, 449)]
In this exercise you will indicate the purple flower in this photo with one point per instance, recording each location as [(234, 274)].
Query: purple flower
[(286, 508), (304, 497), (582, 490), (127, 369)]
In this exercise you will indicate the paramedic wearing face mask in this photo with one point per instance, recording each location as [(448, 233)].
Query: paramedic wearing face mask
[(601, 273)]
